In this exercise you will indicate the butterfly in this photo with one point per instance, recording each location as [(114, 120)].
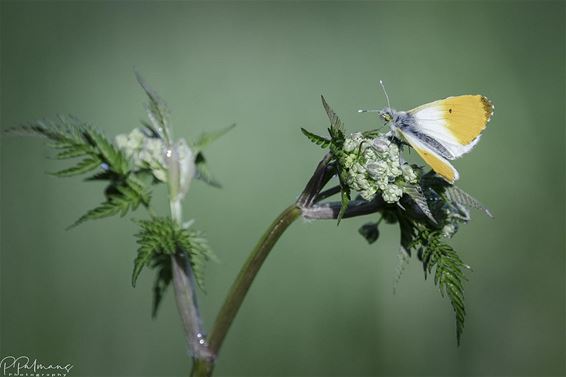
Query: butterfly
[(442, 130)]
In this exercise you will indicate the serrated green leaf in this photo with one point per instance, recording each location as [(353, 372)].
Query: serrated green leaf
[(162, 281), (142, 259), (71, 152), (335, 122), (198, 251), (206, 138), (82, 167), (157, 110), (448, 274), (318, 140), (403, 260), (162, 237), (109, 208), (407, 233)]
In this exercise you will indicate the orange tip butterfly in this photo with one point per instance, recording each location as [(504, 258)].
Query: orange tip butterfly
[(442, 130)]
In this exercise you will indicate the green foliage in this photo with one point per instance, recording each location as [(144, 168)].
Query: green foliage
[(157, 111), (336, 127), (445, 208), (74, 139), (318, 140), (207, 138), (404, 258), (161, 263), (202, 172), (204, 140), (448, 271), (158, 239)]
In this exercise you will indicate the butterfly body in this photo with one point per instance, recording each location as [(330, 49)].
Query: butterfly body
[(442, 130)]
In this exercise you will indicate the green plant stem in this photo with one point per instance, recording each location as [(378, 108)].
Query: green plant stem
[(242, 284)]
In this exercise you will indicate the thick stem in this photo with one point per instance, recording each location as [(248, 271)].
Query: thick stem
[(247, 275), (185, 295)]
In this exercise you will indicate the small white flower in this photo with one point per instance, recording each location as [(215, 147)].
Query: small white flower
[(350, 145), (408, 173), (376, 169), (392, 193), (381, 144)]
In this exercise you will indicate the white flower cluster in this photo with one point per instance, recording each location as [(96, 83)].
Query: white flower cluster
[(374, 165), (145, 152)]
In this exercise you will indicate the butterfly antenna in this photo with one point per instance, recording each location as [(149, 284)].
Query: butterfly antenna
[(385, 92)]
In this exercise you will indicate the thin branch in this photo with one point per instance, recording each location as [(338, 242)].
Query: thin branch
[(247, 275), (327, 211), (323, 173), (327, 193)]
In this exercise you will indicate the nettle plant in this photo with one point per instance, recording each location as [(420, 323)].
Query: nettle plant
[(370, 175)]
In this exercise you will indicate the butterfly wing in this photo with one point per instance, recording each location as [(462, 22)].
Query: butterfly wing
[(455, 122), (438, 163)]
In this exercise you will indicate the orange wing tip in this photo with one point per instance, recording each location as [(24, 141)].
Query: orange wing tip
[(438, 164), (488, 107)]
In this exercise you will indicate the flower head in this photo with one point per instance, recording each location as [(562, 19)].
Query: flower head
[(145, 152), (373, 165)]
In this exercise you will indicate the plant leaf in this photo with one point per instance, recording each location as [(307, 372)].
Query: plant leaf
[(448, 275), (157, 109), (404, 258), (318, 140), (407, 232), (84, 166), (335, 122), (206, 138), (202, 172), (162, 281), (145, 252)]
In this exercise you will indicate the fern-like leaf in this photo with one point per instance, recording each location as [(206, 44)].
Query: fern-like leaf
[(448, 274), (335, 122), (157, 109), (404, 258), (162, 281), (197, 248), (86, 165), (336, 130), (160, 237), (318, 140)]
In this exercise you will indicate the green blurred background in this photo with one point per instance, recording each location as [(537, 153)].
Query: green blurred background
[(323, 304)]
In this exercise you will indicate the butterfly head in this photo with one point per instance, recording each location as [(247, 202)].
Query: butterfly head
[(386, 114)]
